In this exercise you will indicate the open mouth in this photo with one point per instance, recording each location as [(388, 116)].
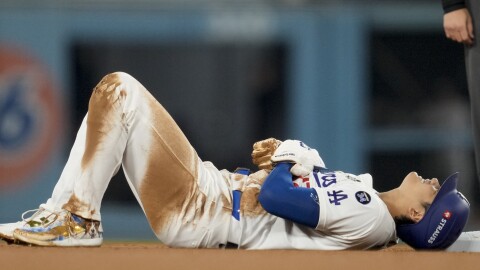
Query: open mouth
[(434, 183)]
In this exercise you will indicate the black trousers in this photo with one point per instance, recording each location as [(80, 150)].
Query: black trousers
[(472, 62)]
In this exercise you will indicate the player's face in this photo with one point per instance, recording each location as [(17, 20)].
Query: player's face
[(421, 191)]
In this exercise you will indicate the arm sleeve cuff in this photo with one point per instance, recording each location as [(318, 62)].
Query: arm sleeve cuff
[(452, 5)]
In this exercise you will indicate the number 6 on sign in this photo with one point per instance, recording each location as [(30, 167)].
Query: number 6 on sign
[(30, 114), (15, 119)]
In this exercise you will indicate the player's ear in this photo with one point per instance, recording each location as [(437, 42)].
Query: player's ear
[(415, 214)]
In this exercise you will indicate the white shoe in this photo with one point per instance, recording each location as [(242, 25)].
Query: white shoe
[(66, 230), (40, 217)]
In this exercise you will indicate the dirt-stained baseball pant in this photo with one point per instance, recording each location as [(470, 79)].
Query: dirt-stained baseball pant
[(186, 201)]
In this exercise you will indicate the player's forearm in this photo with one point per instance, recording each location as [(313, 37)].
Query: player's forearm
[(279, 197), (451, 5)]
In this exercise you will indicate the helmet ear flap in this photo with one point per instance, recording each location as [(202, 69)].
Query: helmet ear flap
[(443, 222)]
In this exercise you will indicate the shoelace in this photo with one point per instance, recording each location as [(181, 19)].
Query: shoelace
[(43, 220), (38, 210)]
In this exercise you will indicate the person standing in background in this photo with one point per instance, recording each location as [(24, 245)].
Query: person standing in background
[(461, 24)]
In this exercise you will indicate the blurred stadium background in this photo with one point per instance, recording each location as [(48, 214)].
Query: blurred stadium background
[(373, 85)]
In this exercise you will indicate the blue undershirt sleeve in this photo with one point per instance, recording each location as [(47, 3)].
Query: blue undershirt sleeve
[(279, 197)]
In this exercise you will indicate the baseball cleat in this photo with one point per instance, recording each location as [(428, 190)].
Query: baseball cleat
[(68, 230), (40, 217)]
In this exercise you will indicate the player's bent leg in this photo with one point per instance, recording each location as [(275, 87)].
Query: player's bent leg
[(107, 127), (186, 201), (95, 158)]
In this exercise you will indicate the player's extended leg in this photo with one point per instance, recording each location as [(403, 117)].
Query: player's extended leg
[(186, 201)]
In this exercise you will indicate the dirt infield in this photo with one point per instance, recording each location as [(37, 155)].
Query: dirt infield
[(138, 256)]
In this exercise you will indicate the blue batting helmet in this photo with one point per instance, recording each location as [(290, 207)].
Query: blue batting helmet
[(442, 223)]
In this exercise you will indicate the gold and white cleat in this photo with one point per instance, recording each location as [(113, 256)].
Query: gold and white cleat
[(68, 231)]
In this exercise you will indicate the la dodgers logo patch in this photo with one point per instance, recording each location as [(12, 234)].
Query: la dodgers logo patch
[(363, 197)]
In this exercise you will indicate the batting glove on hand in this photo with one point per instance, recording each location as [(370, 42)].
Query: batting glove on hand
[(304, 157), (263, 151)]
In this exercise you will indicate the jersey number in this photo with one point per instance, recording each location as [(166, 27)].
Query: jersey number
[(327, 179), (336, 196)]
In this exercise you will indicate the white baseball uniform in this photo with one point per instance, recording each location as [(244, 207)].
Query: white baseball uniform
[(188, 202), (352, 216)]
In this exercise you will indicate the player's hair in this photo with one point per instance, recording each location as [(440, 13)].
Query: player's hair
[(403, 220)]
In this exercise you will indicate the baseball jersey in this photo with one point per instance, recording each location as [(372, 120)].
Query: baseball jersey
[(352, 216)]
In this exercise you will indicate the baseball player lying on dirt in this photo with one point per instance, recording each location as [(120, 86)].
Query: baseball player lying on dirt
[(292, 202)]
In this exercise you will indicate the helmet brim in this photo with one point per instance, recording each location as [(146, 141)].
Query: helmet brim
[(448, 185)]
